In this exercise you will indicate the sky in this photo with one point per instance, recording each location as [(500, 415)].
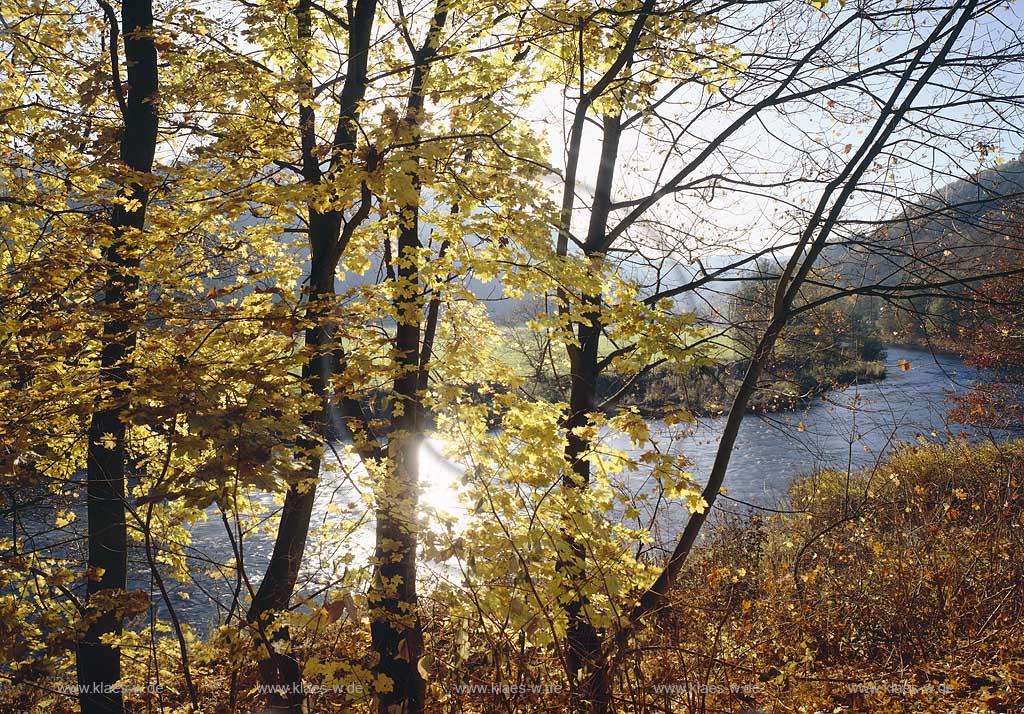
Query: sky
[(802, 145), (791, 144)]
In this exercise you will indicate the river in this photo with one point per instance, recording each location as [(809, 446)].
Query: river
[(852, 428)]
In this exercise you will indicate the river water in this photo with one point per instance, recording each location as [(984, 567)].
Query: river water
[(852, 428)]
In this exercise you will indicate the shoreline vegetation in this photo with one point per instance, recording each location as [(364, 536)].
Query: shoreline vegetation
[(886, 589), (707, 390), (704, 391)]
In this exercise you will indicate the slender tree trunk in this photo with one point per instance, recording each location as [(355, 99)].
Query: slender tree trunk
[(274, 594), (583, 641), (395, 628), (329, 233), (585, 660), (812, 242), (651, 598), (99, 664), (587, 663)]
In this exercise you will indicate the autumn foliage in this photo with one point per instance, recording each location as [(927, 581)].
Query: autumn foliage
[(994, 344), (252, 260)]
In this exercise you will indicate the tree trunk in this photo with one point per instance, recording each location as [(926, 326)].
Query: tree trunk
[(812, 242), (329, 233), (277, 669), (584, 652), (98, 664), (395, 628), (587, 664)]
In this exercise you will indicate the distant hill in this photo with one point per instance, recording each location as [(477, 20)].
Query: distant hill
[(954, 231), (968, 209), (960, 231)]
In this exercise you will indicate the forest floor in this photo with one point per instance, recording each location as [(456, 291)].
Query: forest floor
[(893, 590)]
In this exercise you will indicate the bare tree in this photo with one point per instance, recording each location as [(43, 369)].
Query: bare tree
[(762, 84)]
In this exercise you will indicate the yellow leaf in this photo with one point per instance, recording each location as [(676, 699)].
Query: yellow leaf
[(383, 684)]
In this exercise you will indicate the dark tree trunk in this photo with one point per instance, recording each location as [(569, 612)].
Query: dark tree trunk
[(586, 659), (279, 669), (99, 665), (584, 654), (812, 243), (329, 233), (395, 628)]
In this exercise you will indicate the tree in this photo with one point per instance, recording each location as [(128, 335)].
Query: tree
[(622, 78), (992, 344), (134, 375), (329, 233), (927, 59), (99, 663), (361, 193)]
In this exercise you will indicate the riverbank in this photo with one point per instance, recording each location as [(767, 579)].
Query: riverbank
[(704, 391), (708, 391), (893, 589), (937, 344)]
